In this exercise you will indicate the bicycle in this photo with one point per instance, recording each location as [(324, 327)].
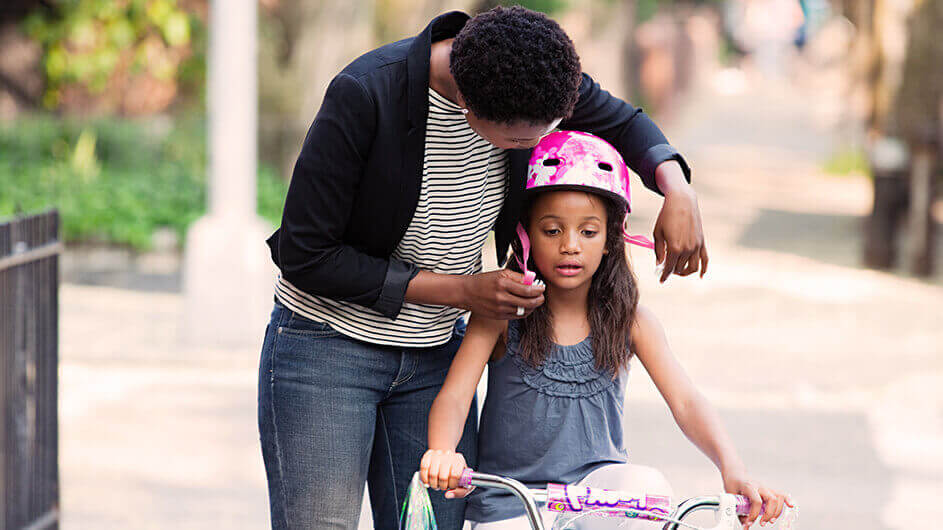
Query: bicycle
[(573, 502)]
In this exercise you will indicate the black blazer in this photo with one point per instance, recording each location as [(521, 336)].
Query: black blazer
[(356, 182)]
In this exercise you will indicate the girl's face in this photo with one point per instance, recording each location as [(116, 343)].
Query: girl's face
[(568, 237)]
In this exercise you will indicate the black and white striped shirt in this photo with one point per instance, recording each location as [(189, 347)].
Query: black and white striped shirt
[(464, 184)]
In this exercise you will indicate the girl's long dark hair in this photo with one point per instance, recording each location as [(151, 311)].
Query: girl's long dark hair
[(613, 298)]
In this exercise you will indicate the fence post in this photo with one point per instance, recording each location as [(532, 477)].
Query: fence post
[(29, 433)]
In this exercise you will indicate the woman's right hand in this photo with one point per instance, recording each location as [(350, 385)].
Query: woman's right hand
[(498, 294), (441, 470)]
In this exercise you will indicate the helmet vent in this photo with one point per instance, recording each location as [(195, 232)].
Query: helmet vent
[(605, 167), (552, 162)]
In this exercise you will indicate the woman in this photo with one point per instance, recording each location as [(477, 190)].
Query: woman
[(418, 151)]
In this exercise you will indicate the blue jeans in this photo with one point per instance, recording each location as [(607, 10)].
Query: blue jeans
[(335, 413)]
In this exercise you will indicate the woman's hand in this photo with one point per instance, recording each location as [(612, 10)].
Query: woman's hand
[(495, 295), (739, 484), (441, 470), (498, 294), (679, 237)]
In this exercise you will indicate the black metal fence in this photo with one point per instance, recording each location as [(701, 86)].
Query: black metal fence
[(29, 358)]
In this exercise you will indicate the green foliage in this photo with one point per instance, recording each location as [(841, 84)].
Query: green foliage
[(544, 6), (847, 161), (86, 41), (550, 7), (114, 181), (646, 9)]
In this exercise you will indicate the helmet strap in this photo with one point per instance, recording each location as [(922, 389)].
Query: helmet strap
[(529, 276), (641, 241)]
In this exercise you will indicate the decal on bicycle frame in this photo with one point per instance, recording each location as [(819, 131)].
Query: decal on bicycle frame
[(569, 498)]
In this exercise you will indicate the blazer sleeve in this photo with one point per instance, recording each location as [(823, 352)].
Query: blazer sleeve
[(628, 129), (309, 247)]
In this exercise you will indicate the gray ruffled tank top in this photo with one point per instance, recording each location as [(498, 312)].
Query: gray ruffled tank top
[(554, 423)]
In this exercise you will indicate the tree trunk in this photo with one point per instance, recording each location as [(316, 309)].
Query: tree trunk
[(889, 178), (630, 54), (916, 107), (880, 57), (921, 221)]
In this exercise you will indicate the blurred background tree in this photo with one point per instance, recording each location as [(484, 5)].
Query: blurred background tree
[(897, 67), (124, 58), (102, 115)]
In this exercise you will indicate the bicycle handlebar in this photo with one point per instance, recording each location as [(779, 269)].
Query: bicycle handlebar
[(562, 498)]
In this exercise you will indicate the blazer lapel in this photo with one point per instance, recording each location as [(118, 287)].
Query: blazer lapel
[(417, 100)]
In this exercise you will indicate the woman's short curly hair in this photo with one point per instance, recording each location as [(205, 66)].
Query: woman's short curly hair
[(515, 65)]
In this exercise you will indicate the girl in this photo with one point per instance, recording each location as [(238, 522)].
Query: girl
[(557, 377)]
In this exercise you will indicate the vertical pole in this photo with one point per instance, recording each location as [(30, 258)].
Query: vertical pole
[(233, 110), (227, 274)]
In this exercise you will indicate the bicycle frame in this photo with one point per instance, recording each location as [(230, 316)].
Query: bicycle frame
[(727, 506)]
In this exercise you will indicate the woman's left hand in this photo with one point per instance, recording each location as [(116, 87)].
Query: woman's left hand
[(739, 484), (679, 237)]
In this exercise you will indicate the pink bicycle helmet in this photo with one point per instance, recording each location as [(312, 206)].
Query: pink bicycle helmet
[(579, 161)]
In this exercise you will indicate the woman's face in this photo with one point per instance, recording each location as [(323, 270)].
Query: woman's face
[(568, 237), (517, 136), (521, 135)]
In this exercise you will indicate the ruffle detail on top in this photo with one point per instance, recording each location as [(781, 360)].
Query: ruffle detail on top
[(569, 371)]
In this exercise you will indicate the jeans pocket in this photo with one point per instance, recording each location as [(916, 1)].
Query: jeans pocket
[(299, 325)]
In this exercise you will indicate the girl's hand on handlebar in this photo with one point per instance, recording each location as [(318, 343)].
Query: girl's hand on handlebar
[(441, 470), (771, 502)]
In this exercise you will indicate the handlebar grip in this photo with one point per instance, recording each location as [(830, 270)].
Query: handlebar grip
[(787, 519), (743, 505), (466, 479)]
